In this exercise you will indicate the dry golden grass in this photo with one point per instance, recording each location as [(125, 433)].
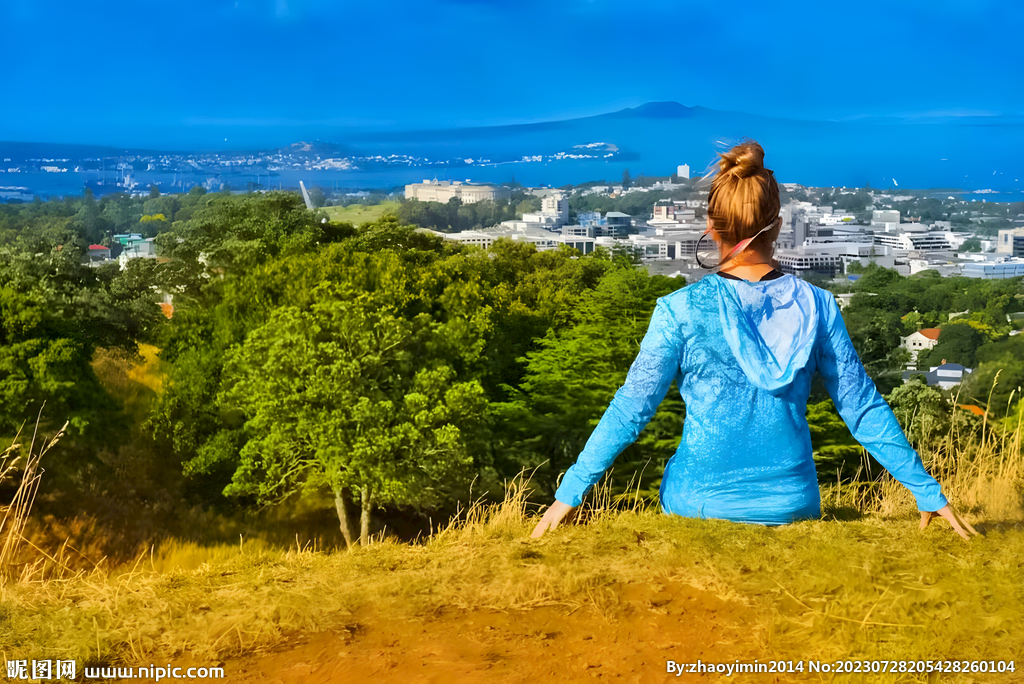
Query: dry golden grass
[(23, 466), (869, 588), (979, 464), (863, 582), (133, 380)]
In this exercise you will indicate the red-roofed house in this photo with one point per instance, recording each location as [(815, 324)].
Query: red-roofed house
[(925, 338), (98, 254)]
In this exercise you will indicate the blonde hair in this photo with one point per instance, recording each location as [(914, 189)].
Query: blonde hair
[(744, 197)]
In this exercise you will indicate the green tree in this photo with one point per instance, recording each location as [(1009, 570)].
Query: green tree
[(574, 374), (626, 179), (54, 314), (236, 233), (417, 277), (971, 245), (998, 376), (835, 449), (923, 411), (350, 407), (958, 343)]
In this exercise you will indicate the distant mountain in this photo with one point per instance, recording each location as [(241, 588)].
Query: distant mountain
[(942, 150), (655, 137), (653, 110)]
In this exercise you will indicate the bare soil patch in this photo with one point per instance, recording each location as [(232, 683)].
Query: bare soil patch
[(651, 625)]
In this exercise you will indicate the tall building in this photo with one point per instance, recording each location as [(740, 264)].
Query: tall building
[(885, 216), (558, 205), (617, 225), (683, 170), (799, 231), (1011, 241), (442, 191), (553, 215), (671, 212), (887, 220)]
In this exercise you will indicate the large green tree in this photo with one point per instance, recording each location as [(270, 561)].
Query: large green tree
[(335, 397), (54, 313)]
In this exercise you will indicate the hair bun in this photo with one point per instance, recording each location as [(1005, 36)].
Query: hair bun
[(743, 160)]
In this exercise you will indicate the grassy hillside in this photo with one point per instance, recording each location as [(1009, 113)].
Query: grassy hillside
[(871, 587), (358, 214), (617, 594)]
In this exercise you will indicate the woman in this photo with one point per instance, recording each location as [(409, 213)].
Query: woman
[(742, 345)]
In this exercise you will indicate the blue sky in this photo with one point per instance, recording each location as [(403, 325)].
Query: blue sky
[(221, 73)]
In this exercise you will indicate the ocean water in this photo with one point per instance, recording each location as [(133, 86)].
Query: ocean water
[(969, 155), (25, 185)]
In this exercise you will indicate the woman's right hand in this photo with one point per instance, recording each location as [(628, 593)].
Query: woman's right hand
[(954, 520), (552, 517)]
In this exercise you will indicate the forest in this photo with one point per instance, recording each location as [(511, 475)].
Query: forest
[(380, 373)]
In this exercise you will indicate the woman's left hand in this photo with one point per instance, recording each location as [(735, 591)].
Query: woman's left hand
[(552, 517), (955, 521)]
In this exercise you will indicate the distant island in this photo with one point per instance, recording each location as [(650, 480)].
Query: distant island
[(654, 138)]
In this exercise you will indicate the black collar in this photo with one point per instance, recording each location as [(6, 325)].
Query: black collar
[(770, 275)]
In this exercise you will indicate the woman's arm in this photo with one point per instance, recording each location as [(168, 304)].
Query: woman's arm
[(868, 416), (655, 367)]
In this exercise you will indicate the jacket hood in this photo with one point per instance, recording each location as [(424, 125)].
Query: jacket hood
[(770, 327)]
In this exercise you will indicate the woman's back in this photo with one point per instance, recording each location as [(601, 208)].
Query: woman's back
[(745, 452), (743, 354)]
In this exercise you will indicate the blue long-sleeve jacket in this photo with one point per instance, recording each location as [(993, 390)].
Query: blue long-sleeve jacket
[(742, 354)]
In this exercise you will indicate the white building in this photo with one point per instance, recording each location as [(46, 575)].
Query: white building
[(843, 299), (650, 247), (885, 217), (1008, 239), (945, 376), (137, 249), (802, 262), (915, 240), (834, 219), (553, 215), (672, 212), (442, 191), (683, 170), (468, 237), (944, 268), (577, 230), (542, 239), (556, 204), (926, 338), (1006, 268), (97, 254), (847, 253)]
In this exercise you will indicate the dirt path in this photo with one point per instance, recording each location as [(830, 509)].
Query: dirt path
[(649, 627)]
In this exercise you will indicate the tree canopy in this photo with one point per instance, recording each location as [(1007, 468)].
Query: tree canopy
[(384, 368)]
